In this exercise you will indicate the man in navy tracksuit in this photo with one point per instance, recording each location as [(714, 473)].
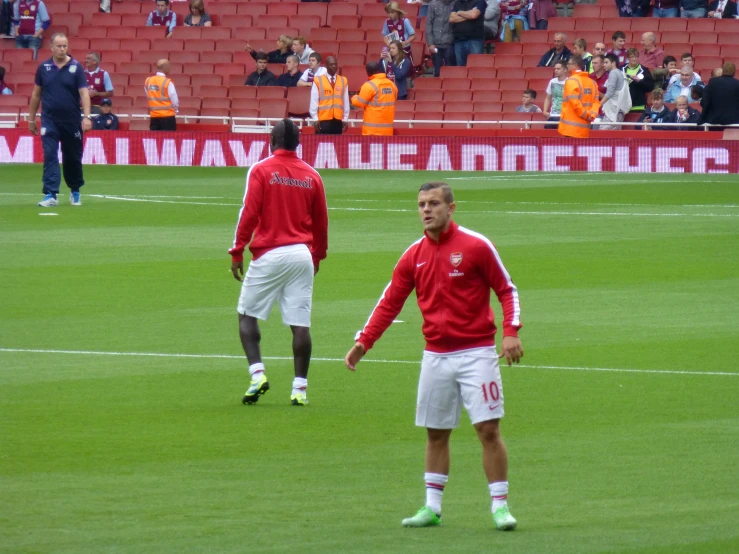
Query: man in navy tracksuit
[(60, 86)]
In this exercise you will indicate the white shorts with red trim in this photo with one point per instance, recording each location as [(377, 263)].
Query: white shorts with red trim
[(284, 275), (449, 381)]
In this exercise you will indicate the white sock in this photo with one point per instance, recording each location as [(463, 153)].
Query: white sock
[(435, 483), (499, 494), (256, 370), (299, 385)]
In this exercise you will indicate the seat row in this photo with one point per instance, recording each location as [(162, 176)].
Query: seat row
[(641, 24)]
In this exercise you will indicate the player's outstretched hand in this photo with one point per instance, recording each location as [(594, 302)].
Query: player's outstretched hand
[(512, 350), (237, 268), (354, 355)]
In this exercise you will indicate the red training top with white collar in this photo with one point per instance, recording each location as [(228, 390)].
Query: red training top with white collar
[(452, 278), (284, 204)]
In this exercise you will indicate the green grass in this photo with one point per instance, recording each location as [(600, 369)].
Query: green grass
[(105, 454)]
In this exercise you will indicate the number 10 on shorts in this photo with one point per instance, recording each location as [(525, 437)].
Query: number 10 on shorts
[(490, 392)]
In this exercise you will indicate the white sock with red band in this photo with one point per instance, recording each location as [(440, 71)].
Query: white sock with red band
[(256, 370), (300, 384), (435, 483), (499, 493)]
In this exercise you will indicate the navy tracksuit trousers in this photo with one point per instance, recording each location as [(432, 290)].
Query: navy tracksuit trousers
[(70, 136)]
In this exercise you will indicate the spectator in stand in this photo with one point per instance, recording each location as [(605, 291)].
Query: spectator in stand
[(600, 48), (657, 112), (696, 93), (580, 48), (686, 59), (6, 19), (302, 50), (681, 86), (652, 56), (163, 17), (619, 48), (329, 100), (580, 106), (315, 69), (98, 81), (560, 52), (30, 20), (722, 9), (599, 75), (513, 19), (555, 88), (683, 113), (377, 98), (528, 105), (292, 74), (539, 13), (718, 72), (105, 5), (632, 8), (492, 23), (665, 8), (439, 35), (617, 99), (468, 26), (262, 77), (284, 46), (640, 81), (163, 100), (693, 9), (197, 16), (663, 74), (106, 121), (3, 87), (396, 67), (721, 98), (398, 23)]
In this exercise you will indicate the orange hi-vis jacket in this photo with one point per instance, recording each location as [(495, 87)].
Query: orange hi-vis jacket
[(580, 105), (160, 104), (330, 98), (377, 98)]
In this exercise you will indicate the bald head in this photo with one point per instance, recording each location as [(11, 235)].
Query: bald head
[(331, 65), (163, 66)]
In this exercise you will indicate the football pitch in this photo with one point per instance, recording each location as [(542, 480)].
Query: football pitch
[(121, 371)]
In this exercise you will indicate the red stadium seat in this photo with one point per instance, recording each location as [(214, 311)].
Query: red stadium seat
[(673, 24), (701, 50), (271, 92), (134, 20), (557, 24), (276, 68), (352, 47), (539, 85), (428, 95), (513, 84), (274, 32), (539, 73), (251, 33), (704, 37), (463, 96), (587, 24), (245, 111), (307, 25), (213, 91), (453, 72), (215, 101), (356, 76), (271, 21), (676, 36), (506, 49), (429, 116), (16, 56), (151, 33), (213, 112), (536, 37), (344, 21), (252, 8), (123, 33), (241, 20), (461, 117), (137, 45), (229, 69), (13, 101), (728, 51), (584, 10), (709, 62), (426, 83), (216, 33), (134, 67), (230, 45), (485, 95), (310, 8), (123, 101), (272, 108), (243, 92), (91, 31), (188, 33), (115, 56), (202, 45), (456, 106), (183, 89), (708, 24), (184, 57), (190, 102), (404, 109), (352, 59), (350, 35), (70, 20), (481, 72), (339, 8), (374, 24), (323, 47), (507, 61), (128, 7), (169, 44), (677, 48), (200, 69), (198, 81), (282, 8), (298, 100)]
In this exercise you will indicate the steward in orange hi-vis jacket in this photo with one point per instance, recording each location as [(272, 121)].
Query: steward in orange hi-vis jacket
[(580, 104), (377, 98)]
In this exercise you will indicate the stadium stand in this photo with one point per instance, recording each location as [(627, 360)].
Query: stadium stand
[(210, 62)]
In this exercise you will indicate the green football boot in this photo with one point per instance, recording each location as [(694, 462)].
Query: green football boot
[(299, 399), (256, 389), (503, 519), (425, 517)]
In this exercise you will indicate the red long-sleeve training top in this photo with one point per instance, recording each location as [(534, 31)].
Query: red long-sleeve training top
[(452, 278), (284, 204)]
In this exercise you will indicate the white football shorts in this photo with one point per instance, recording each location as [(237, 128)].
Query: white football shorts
[(448, 381), (284, 274)]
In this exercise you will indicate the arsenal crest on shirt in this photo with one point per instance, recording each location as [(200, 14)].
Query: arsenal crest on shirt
[(456, 259)]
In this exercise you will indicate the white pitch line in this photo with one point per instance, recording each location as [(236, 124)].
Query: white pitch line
[(407, 210), (370, 360)]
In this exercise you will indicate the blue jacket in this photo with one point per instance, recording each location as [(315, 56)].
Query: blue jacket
[(401, 74)]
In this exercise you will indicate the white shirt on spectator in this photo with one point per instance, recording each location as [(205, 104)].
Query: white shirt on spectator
[(305, 56), (320, 71), (676, 76), (556, 89)]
